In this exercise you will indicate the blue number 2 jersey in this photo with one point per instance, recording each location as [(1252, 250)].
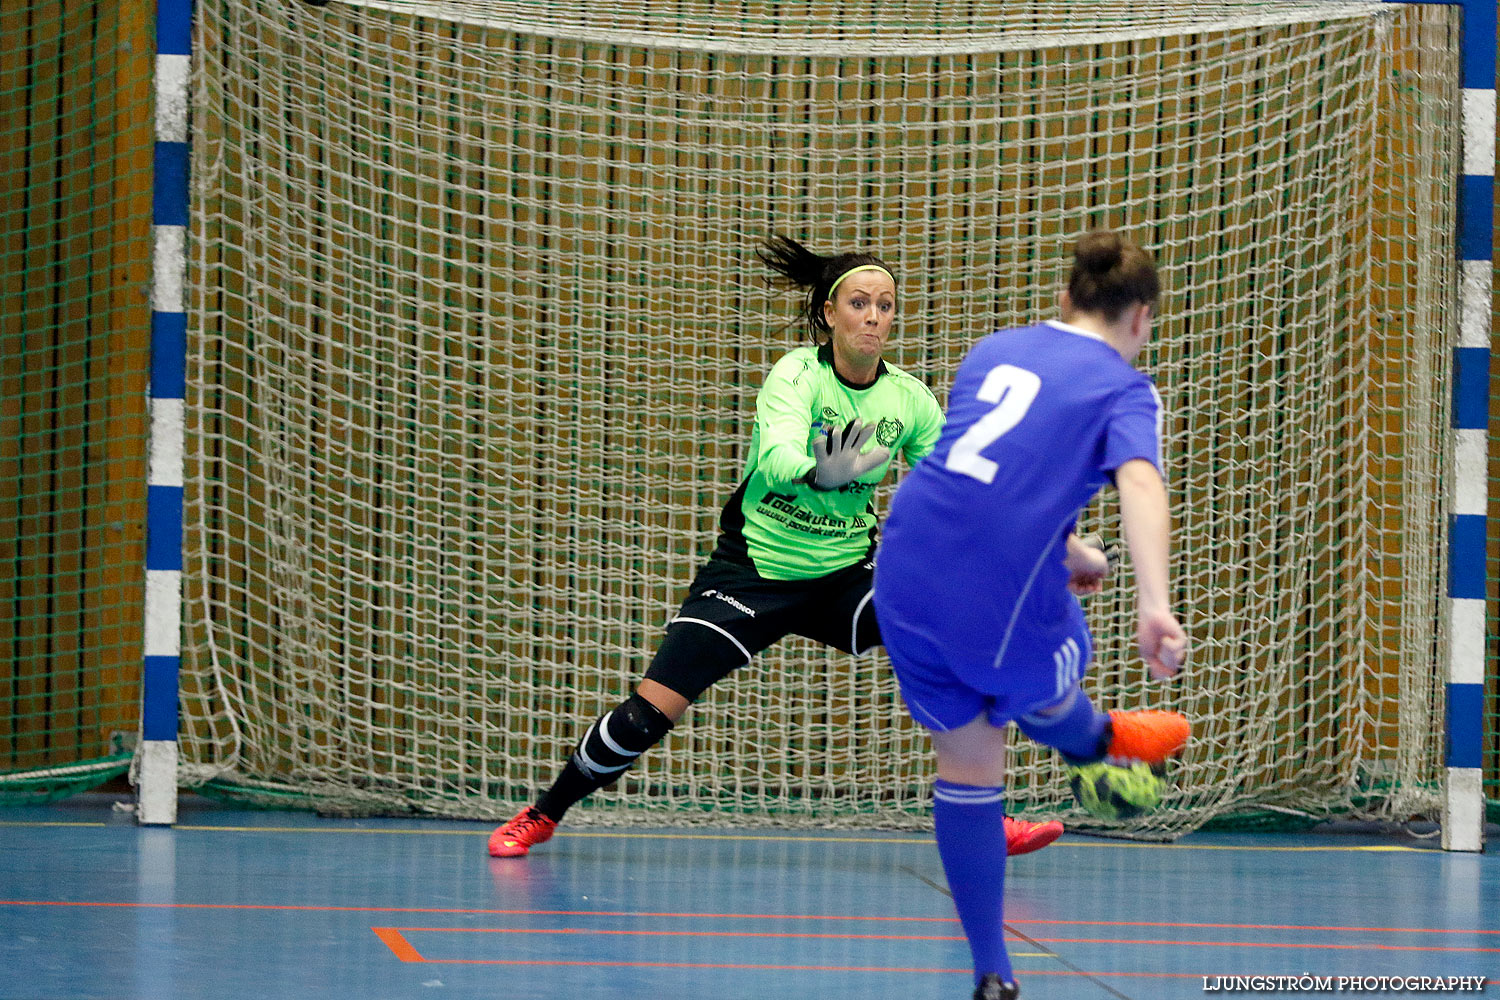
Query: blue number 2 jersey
[(970, 574)]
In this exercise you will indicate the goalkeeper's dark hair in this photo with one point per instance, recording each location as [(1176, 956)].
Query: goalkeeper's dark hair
[(1110, 274), (798, 267)]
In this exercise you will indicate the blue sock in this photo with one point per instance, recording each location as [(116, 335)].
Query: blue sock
[(1078, 731), (970, 822)]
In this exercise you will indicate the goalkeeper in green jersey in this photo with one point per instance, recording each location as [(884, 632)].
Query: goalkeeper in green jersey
[(797, 541)]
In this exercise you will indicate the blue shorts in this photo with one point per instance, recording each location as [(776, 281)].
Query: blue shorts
[(1033, 671)]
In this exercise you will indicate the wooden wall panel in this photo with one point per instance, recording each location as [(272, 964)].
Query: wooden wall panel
[(75, 202)]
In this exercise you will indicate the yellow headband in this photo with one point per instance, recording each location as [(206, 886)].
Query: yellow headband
[(862, 267)]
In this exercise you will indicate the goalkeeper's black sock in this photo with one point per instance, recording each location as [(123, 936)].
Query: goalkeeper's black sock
[(608, 748)]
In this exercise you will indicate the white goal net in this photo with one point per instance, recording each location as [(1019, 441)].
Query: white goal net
[(477, 326)]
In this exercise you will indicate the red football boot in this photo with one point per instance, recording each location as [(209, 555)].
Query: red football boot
[(525, 830), (1022, 837)]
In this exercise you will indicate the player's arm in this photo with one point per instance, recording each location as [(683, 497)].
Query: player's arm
[(783, 414), (1147, 524), (929, 427), (783, 421), (1087, 564)]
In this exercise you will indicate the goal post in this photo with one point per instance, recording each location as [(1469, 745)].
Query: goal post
[(1463, 814), (476, 327)]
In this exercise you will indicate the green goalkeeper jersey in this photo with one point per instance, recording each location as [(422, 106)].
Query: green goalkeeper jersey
[(776, 522)]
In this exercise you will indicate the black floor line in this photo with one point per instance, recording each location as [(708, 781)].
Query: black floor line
[(1027, 938)]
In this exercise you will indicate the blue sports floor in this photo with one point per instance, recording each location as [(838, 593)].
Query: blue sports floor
[(276, 906)]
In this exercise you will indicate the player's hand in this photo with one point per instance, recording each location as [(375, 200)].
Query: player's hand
[(838, 458), (1164, 645), (1088, 564)]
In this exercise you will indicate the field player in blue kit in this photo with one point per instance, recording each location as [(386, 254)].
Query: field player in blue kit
[(977, 572)]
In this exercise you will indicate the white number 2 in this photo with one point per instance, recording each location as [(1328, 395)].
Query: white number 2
[(1012, 390)]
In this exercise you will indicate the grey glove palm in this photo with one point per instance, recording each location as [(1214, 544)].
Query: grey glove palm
[(839, 459)]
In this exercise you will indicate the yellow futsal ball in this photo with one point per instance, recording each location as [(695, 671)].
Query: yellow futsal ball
[(1112, 792)]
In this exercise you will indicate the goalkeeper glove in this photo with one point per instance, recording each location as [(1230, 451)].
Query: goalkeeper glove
[(838, 459)]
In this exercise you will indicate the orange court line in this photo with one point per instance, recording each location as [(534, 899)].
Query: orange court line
[(1312, 946), (755, 966), (736, 916), (1256, 927), (402, 948), (459, 911), (398, 944), (605, 932), (395, 941)]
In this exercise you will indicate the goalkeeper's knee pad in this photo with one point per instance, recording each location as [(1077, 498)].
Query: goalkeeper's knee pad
[(618, 737)]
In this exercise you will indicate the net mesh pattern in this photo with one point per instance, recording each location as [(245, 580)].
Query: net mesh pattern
[(478, 328), (861, 28), (75, 321)]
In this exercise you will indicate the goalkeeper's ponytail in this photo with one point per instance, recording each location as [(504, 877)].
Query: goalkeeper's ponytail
[(799, 267)]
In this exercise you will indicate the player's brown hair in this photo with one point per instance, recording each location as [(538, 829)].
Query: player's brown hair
[(799, 267), (1110, 273)]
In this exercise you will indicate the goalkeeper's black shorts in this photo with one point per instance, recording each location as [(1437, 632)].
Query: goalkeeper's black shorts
[(732, 612)]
